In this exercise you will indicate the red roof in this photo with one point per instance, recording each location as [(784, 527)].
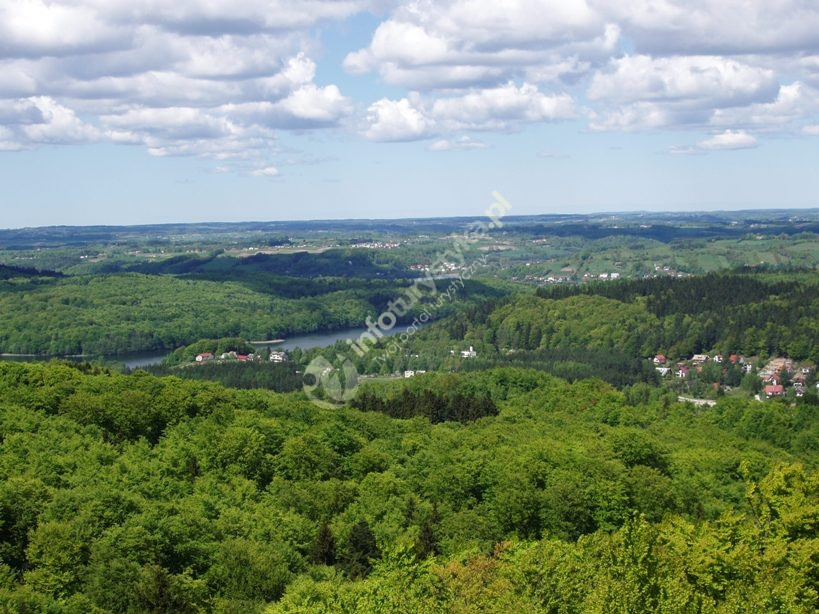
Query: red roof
[(205, 355), (733, 358), (778, 389), (241, 356)]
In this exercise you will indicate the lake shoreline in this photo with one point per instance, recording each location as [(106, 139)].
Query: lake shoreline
[(135, 360)]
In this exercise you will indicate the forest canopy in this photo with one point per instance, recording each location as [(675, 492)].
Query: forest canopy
[(132, 493), (524, 450)]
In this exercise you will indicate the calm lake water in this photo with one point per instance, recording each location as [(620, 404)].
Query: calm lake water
[(143, 359)]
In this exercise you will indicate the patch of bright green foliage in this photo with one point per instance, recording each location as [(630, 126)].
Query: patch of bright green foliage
[(131, 493)]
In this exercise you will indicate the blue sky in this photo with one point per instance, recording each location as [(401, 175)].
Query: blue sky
[(141, 111)]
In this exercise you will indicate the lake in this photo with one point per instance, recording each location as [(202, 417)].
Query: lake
[(143, 359)]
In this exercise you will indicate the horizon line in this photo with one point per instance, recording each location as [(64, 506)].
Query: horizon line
[(814, 208)]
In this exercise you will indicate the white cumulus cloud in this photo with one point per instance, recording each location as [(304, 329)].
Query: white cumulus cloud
[(643, 92), (221, 79), (499, 108), (396, 120), (175, 77), (266, 171), (479, 43), (640, 64), (730, 139), (463, 143)]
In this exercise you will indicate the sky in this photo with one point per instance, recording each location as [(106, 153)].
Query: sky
[(149, 111)]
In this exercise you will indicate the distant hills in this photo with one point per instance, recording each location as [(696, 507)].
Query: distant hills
[(657, 225)]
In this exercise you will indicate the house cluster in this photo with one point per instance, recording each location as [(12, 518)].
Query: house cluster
[(278, 356), (660, 366), (411, 373), (683, 368), (544, 279), (775, 375), (470, 353), (664, 270), (778, 371), (601, 276), (208, 356), (376, 245), (275, 356), (441, 268), (592, 277)]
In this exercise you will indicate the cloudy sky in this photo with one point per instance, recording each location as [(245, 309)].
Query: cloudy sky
[(140, 111)]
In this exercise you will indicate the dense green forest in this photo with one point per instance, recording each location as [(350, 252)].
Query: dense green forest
[(132, 312), (129, 312), (281, 377), (756, 314), (608, 330), (108, 290), (442, 398), (540, 464), (132, 493)]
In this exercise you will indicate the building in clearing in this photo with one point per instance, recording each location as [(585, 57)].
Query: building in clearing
[(470, 353)]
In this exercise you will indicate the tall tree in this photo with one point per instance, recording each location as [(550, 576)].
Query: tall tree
[(324, 548), (361, 551)]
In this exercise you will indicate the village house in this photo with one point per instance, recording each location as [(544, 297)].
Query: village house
[(699, 358), (278, 356), (773, 379), (774, 391), (204, 356), (682, 372), (470, 353), (660, 359)]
